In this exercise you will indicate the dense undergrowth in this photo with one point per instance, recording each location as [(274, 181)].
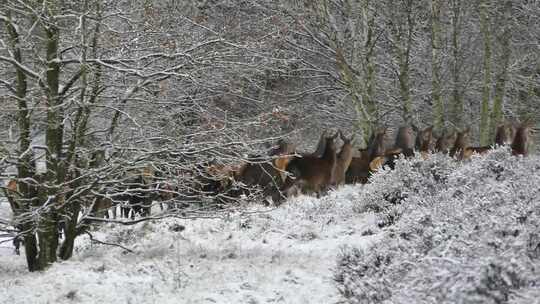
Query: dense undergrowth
[(453, 233)]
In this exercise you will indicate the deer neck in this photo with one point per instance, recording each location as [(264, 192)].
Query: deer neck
[(520, 142), (329, 153), (345, 155)]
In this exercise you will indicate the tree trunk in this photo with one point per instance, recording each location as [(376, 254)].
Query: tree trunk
[(404, 39), (457, 100), (49, 222), (70, 230), (369, 71), (25, 165), (500, 83), (438, 109), (484, 110)]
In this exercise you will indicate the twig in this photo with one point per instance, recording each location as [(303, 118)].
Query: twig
[(106, 243)]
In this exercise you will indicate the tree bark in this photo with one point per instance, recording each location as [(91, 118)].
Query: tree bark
[(484, 110), (26, 168), (403, 33), (457, 100), (436, 95), (49, 222), (500, 82)]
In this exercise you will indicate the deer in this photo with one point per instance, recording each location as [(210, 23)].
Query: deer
[(461, 149), (504, 134), (378, 156), (444, 142), (11, 192), (404, 140), (404, 145), (358, 171), (321, 145), (520, 143), (311, 173), (343, 161), (258, 171), (101, 206), (424, 140), (462, 142)]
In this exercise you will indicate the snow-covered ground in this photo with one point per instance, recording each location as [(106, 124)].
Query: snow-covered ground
[(430, 231), (5, 248), (282, 255)]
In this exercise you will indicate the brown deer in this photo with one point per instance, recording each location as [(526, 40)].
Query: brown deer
[(404, 146), (501, 138), (444, 142), (311, 173), (358, 171), (469, 151), (101, 207), (462, 150), (504, 134), (404, 140), (269, 175), (376, 144), (520, 144), (258, 171), (378, 155), (462, 142), (321, 145), (343, 161), (424, 140), (11, 192)]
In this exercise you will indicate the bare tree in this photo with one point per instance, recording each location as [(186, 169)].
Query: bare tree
[(112, 102)]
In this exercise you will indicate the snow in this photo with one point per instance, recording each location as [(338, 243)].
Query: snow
[(455, 232), (281, 255), (429, 231)]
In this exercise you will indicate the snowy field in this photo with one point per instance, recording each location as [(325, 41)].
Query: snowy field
[(433, 231), (283, 255)]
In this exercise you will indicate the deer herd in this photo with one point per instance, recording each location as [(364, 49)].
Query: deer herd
[(292, 172), (284, 172)]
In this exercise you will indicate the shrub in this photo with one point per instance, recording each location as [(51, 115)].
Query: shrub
[(454, 233)]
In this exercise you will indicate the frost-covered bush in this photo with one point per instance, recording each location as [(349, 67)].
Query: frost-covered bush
[(388, 190), (455, 233)]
